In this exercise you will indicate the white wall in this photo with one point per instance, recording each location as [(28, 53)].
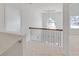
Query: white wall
[(12, 18), (66, 28), (9, 14), (1, 17)]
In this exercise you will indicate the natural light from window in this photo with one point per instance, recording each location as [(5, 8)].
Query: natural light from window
[(74, 22), (51, 23)]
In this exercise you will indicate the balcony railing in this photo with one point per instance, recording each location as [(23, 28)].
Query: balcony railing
[(46, 35)]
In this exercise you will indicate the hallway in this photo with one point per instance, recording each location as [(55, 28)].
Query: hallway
[(39, 29)]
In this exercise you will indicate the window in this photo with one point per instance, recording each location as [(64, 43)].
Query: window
[(51, 23), (74, 22)]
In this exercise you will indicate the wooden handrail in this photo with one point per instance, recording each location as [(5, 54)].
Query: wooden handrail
[(45, 29)]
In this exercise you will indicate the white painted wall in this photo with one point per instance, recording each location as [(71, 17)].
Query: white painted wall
[(12, 18), (1, 17), (66, 28)]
